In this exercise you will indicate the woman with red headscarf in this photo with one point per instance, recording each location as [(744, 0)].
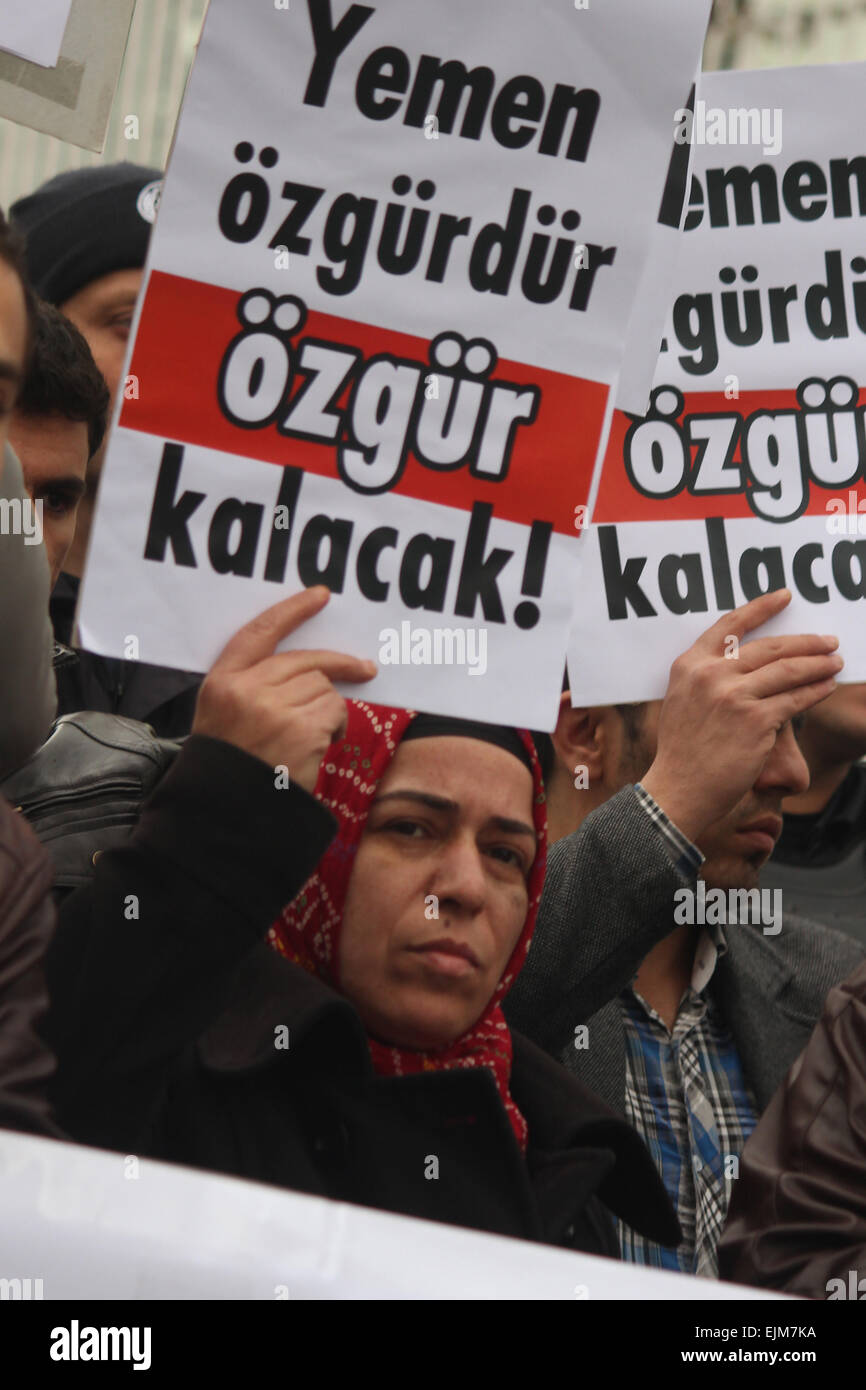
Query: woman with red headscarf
[(351, 1045)]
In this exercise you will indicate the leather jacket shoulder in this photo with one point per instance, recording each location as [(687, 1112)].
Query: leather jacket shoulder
[(82, 790), (797, 1220)]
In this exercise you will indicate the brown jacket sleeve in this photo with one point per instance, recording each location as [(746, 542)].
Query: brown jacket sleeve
[(797, 1220), (26, 927)]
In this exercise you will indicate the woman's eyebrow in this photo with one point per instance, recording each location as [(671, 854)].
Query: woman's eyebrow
[(512, 827), (436, 803), (442, 803)]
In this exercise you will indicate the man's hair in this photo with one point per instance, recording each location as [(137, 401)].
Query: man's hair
[(12, 252), (63, 378), (632, 717)]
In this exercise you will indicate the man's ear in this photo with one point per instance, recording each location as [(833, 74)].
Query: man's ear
[(579, 741)]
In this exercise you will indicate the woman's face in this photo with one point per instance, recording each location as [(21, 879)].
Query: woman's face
[(438, 894)]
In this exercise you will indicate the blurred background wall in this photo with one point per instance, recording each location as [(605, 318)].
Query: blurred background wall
[(785, 33), (742, 34), (162, 42)]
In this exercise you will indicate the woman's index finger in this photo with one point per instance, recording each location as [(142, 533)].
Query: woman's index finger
[(260, 637)]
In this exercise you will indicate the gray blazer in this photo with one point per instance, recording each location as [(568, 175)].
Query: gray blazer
[(608, 899)]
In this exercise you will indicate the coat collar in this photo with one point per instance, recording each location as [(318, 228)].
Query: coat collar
[(574, 1136), (752, 981), (270, 994)]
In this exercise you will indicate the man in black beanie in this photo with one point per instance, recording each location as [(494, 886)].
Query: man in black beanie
[(87, 233)]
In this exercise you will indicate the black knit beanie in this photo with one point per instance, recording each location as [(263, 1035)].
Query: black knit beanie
[(84, 224)]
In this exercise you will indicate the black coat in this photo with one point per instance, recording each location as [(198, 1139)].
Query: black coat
[(171, 1029)]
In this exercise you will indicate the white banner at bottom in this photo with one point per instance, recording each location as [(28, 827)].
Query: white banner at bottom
[(79, 1223)]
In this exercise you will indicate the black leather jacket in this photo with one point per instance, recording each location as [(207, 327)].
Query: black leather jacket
[(82, 790)]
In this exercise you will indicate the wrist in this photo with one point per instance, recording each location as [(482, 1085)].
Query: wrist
[(680, 808)]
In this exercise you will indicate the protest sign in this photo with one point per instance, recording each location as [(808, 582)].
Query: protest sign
[(396, 256), (653, 299), (747, 472), (34, 31)]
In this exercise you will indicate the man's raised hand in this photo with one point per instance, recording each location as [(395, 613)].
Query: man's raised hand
[(720, 716)]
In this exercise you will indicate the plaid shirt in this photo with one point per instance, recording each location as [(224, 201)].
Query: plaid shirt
[(686, 1095)]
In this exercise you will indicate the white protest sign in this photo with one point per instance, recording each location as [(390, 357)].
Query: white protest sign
[(396, 256), (747, 472), (81, 1223), (34, 29), (654, 297)]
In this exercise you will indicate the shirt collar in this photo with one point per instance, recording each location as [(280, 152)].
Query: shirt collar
[(712, 945)]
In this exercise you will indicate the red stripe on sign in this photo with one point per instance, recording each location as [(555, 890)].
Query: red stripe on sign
[(185, 333), (689, 461)]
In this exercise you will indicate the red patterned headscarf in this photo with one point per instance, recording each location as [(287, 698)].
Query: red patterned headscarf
[(308, 930)]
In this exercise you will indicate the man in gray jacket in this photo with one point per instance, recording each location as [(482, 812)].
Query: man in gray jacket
[(681, 1000)]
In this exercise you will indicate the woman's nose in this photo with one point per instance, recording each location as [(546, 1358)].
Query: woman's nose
[(460, 876)]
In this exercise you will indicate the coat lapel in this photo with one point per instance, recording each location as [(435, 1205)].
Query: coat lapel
[(579, 1139), (600, 1064), (769, 1035)]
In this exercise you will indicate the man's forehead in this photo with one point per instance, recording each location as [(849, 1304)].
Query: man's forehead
[(119, 289), (50, 444)]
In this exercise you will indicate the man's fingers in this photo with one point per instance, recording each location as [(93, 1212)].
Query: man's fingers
[(764, 650), (337, 666), (742, 620), (791, 673), (794, 702), (260, 637)]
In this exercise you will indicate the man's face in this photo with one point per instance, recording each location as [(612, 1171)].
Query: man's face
[(103, 312), (53, 452), (450, 831), (13, 344), (737, 846)]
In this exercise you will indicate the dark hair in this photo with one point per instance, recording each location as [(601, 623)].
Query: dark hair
[(12, 252), (632, 717), (63, 378)]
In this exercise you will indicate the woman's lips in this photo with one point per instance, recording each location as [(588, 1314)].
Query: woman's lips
[(447, 957)]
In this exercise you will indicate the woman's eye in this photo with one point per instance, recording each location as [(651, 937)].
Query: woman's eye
[(406, 827), (509, 856)]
